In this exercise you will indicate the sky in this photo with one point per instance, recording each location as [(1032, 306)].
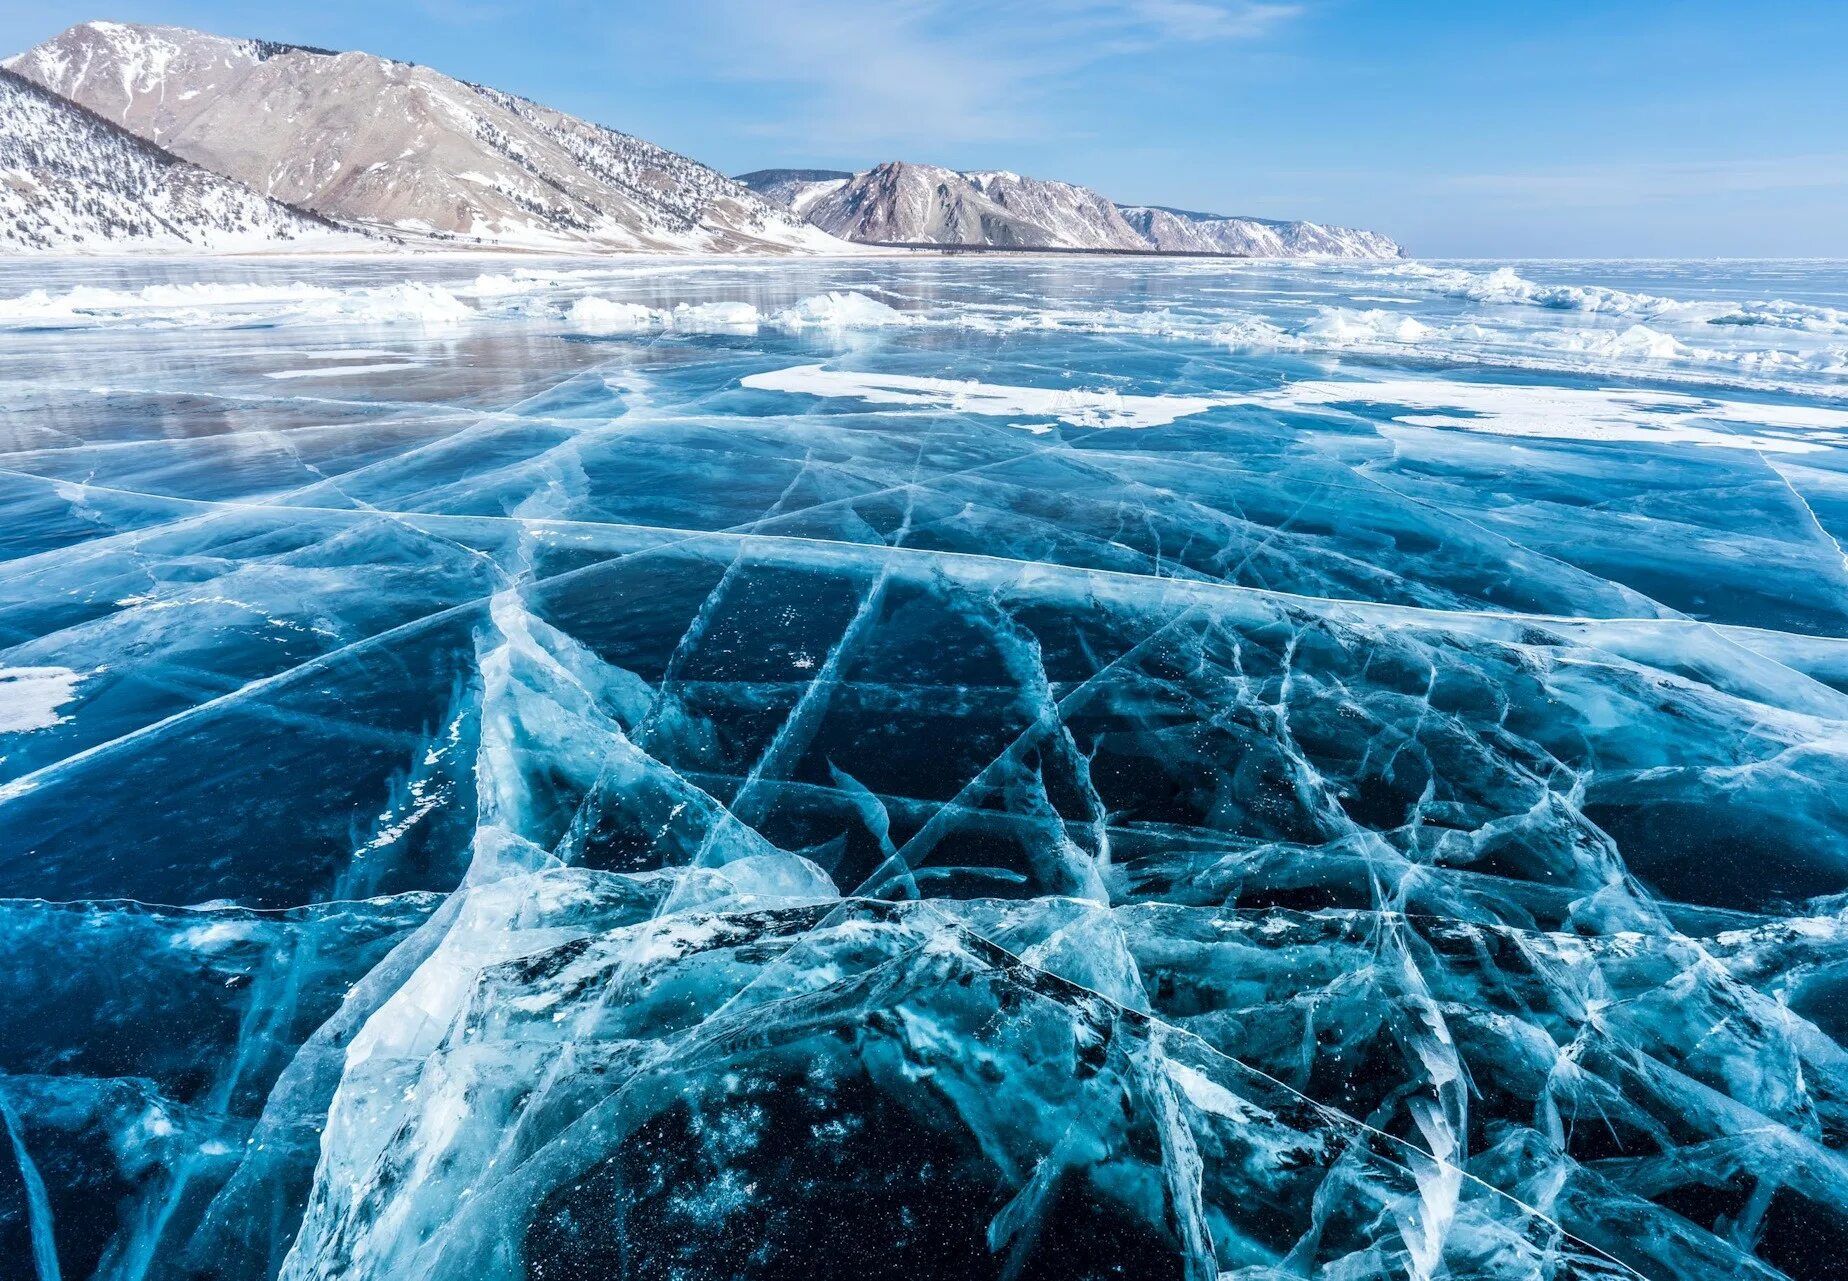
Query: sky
[(1493, 128)]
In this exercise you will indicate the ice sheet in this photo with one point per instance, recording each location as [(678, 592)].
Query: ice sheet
[(534, 768)]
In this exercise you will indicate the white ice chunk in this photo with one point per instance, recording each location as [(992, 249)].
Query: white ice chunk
[(840, 311), (594, 315)]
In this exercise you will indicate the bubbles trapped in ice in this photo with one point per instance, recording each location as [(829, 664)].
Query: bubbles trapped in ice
[(1031, 769)]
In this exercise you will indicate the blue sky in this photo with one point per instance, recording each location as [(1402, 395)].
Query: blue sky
[(1488, 129)]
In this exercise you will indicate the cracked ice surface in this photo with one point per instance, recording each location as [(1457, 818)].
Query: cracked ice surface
[(926, 769)]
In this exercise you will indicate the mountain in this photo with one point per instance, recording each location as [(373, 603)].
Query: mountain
[(907, 203), (1180, 229), (376, 142), (923, 204), (1071, 215), (796, 190), (71, 181)]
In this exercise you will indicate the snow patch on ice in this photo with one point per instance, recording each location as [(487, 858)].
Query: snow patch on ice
[(1586, 414), (1609, 415), (408, 303), (341, 371), (1080, 408), (31, 696)]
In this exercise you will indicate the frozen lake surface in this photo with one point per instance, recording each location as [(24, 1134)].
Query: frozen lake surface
[(938, 768)]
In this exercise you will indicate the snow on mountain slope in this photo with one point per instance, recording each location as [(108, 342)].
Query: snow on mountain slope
[(796, 190), (924, 204), (907, 203), (902, 202), (1075, 216), (385, 143), (72, 182), (1177, 229)]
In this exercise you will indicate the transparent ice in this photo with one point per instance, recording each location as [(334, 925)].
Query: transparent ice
[(715, 770)]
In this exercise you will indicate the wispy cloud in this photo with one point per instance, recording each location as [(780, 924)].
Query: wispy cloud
[(1205, 20), (902, 72)]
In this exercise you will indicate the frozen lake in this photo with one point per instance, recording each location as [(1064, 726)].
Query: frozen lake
[(946, 767)]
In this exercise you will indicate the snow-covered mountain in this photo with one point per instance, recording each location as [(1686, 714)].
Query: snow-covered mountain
[(906, 203), (72, 182), (796, 190), (382, 143), (1179, 229), (925, 204), (1070, 214)]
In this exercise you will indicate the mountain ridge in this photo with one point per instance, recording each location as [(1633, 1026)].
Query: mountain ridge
[(72, 181), (381, 142), (1180, 230), (905, 203), (380, 145)]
